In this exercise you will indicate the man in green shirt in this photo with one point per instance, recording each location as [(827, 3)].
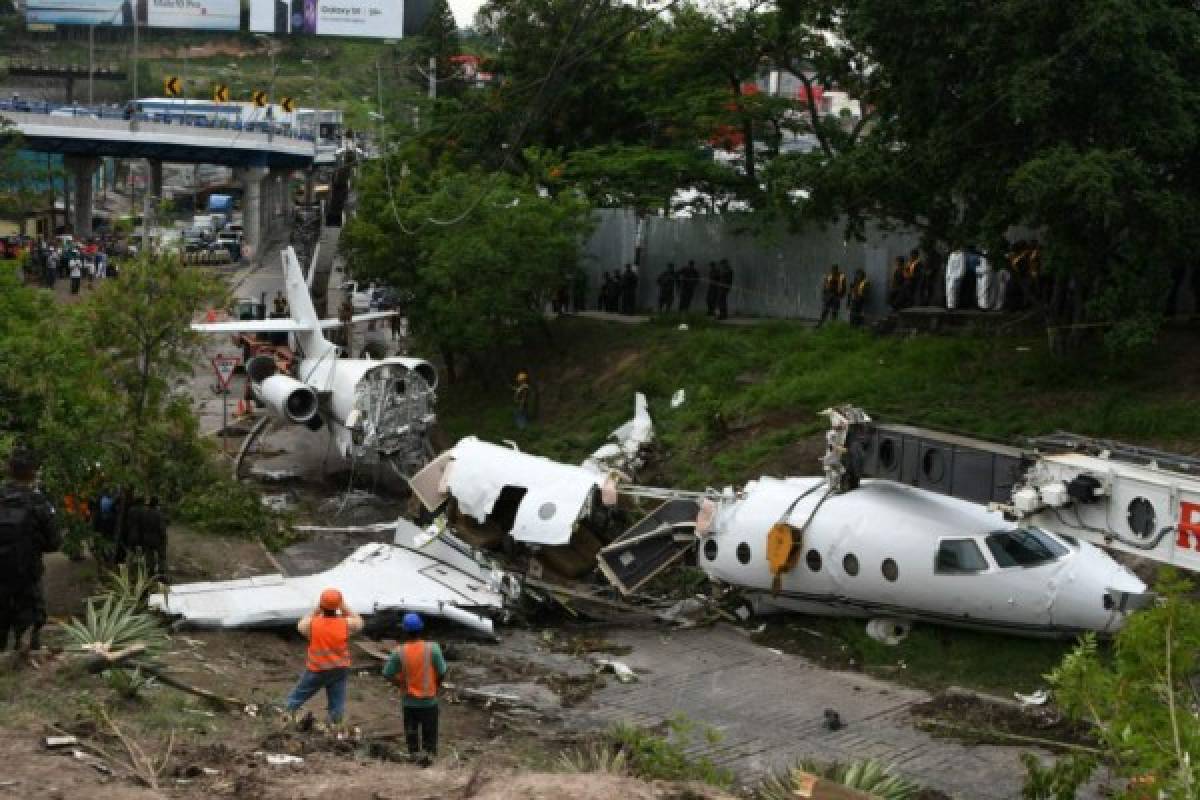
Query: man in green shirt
[(418, 667)]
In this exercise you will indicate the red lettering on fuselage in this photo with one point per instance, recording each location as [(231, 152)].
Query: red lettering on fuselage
[(1189, 526)]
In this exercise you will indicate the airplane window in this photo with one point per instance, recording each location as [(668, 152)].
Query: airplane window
[(850, 564), (710, 549), (958, 557), (813, 560), (890, 570), (1024, 547), (743, 553)]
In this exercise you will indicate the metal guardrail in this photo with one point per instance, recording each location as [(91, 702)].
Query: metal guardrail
[(85, 116)]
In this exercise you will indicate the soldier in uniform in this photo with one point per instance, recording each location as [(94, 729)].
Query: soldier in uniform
[(689, 276), (857, 301), (833, 289), (666, 288), (28, 528), (628, 283)]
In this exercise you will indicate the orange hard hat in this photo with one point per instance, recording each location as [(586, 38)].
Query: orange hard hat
[(331, 600)]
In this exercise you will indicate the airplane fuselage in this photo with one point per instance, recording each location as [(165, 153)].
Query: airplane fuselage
[(889, 550)]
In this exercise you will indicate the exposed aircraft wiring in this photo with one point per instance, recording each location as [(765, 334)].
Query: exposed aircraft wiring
[(1143, 544)]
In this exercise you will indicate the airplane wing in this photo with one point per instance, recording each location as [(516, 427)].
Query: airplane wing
[(282, 325)]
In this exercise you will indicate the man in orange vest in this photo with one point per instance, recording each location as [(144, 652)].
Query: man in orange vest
[(417, 667), (328, 629)]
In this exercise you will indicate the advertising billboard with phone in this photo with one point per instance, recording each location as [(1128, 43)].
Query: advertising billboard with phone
[(376, 19), (223, 15)]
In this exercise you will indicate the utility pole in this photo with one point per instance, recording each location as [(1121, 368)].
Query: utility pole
[(91, 61), (133, 116)]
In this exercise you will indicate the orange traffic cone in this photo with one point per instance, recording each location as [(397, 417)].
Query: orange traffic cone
[(211, 316)]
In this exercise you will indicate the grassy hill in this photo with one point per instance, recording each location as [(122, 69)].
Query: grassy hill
[(754, 393)]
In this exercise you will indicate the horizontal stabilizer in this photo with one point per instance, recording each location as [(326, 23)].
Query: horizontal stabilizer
[(281, 325)]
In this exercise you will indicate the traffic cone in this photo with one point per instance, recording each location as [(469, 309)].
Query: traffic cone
[(211, 316)]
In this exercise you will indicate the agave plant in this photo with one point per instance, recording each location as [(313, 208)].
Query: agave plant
[(869, 776), (113, 625), (596, 756), (131, 583)]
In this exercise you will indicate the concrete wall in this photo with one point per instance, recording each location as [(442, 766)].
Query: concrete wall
[(777, 274)]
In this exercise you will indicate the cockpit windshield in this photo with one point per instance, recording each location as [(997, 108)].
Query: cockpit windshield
[(1024, 547)]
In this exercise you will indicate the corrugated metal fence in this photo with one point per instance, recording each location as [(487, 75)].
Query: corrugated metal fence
[(774, 275)]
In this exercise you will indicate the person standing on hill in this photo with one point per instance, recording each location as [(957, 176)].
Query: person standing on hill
[(857, 301), (328, 629), (724, 286), (418, 668), (629, 283), (28, 529), (666, 288), (689, 276), (833, 289)]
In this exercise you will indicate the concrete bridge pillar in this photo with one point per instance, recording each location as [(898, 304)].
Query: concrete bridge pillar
[(252, 206), (156, 178), (83, 170)]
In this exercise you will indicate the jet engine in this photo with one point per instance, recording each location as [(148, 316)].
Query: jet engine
[(285, 396), (289, 398)]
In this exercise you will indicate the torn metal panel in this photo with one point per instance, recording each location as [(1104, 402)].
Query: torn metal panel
[(429, 485), (439, 581), (624, 453), (655, 543), (554, 495)]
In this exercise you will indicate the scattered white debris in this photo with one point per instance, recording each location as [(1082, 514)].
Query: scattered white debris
[(683, 326), (54, 742), (1038, 698), (279, 503), (679, 398), (622, 671), (282, 759), (889, 631)]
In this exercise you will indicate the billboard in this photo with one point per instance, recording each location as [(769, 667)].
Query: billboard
[(377, 19), (223, 15)]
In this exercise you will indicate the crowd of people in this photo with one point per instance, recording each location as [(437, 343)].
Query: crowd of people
[(49, 262)]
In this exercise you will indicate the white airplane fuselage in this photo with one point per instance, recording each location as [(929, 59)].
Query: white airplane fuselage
[(890, 550)]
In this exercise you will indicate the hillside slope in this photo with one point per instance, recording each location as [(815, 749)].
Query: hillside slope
[(754, 393)]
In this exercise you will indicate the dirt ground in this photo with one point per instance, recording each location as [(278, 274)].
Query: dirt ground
[(500, 752)]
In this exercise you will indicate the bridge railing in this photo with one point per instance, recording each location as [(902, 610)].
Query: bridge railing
[(85, 116)]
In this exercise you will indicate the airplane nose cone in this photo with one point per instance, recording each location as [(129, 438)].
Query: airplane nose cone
[(1096, 593)]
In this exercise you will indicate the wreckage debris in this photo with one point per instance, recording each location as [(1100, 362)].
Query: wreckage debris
[(443, 579)]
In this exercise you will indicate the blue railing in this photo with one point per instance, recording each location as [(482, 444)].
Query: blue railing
[(159, 117)]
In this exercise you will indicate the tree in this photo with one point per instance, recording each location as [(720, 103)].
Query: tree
[(481, 254), (20, 188), (1141, 701), (1018, 112), (438, 41)]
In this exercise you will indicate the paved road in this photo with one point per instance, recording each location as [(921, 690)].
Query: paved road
[(769, 708)]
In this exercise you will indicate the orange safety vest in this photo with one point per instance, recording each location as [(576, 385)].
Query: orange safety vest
[(419, 679), (328, 644), (859, 289), (910, 269)]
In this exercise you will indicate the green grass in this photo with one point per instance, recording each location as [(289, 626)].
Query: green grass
[(753, 393)]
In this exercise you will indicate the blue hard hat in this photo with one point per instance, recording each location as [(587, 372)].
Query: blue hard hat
[(412, 622)]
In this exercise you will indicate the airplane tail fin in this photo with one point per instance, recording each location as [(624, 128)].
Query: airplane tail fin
[(310, 338)]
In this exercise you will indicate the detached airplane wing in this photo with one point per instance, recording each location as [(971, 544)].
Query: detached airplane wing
[(282, 325)]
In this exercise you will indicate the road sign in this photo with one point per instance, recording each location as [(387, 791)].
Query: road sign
[(288, 104), (225, 365), (220, 93), (259, 97), (173, 86)]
